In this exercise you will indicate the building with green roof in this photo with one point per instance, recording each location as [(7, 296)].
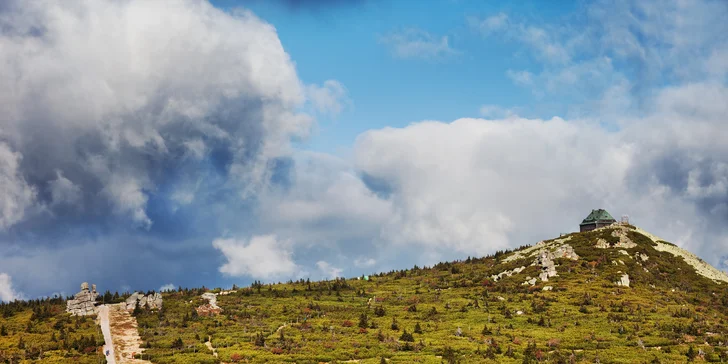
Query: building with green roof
[(596, 219)]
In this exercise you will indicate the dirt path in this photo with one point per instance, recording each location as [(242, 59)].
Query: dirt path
[(280, 328), (103, 318), (124, 334), (209, 346)]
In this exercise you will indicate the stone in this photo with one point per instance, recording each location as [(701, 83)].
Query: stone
[(624, 241), (84, 302), (602, 244), (152, 300), (508, 273), (623, 281), (547, 288), (641, 256), (519, 312), (210, 308), (548, 267)]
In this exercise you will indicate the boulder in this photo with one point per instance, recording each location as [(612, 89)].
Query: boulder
[(152, 300), (83, 302), (623, 281)]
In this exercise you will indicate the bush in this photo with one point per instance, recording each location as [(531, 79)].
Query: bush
[(406, 336)]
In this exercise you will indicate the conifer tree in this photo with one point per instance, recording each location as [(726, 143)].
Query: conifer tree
[(418, 328)]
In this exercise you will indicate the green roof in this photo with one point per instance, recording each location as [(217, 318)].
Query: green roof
[(597, 215)]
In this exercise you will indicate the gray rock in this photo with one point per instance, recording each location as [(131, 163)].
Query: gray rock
[(84, 302), (153, 300)]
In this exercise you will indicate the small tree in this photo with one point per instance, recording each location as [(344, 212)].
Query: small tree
[(3, 331), (406, 336), (363, 321), (379, 311), (691, 354), (418, 329), (259, 340), (486, 331), (394, 326), (137, 309), (178, 344)]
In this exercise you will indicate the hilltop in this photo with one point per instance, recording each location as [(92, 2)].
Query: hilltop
[(616, 294)]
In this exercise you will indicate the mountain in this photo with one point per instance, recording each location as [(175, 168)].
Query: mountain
[(616, 294)]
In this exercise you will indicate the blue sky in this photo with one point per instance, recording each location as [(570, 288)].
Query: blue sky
[(212, 143), (344, 42)]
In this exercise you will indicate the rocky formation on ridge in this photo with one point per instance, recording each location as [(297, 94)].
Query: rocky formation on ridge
[(83, 302), (153, 300), (211, 308)]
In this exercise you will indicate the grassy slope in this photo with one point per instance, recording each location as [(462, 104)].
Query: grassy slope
[(586, 315), (76, 338)]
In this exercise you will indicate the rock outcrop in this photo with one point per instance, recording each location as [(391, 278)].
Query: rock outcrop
[(153, 300), (546, 260), (84, 302), (211, 308), (623, 281), (507, 273), (624, 241)]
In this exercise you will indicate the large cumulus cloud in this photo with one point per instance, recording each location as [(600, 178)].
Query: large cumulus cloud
[(441, 190), (117, 114)]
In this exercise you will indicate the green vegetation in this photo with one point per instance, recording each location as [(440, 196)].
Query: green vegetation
[(453, 313), (41, 331)]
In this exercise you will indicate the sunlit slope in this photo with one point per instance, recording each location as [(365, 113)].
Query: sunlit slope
[(616, 294)]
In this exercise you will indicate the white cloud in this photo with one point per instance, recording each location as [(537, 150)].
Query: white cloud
[(263, 256), (496, 112), (417, 43), (167, 287), (435, 190), (329, 98), (16, 196), (324, 193), (329, 271), (64, 190), (7, 293), (522, 78), (490, 24), (466, 191), (111, 109), (542, 40), (635, 46), (364, 262)]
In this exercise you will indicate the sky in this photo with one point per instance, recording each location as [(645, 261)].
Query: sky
[(193, 143)]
